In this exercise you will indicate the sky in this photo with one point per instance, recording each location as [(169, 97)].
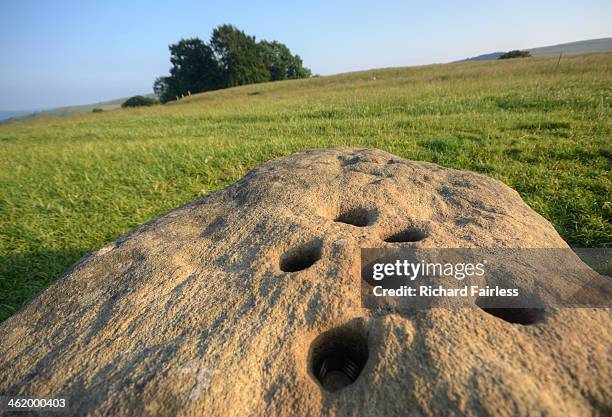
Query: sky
[(58, 53)]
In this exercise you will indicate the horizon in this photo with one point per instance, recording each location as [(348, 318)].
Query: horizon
[(109, 51), (465, 59)]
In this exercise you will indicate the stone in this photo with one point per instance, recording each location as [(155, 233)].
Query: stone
[(247, 302)]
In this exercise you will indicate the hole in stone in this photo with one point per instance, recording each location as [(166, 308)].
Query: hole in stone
[(338, 356), (301, 257), (406, 235), (524, 316), (359, 217), (518, 315)]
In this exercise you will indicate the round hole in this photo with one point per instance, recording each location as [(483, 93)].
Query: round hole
[(359, 217), (406, 235), (524, 316), (517, 315), (338, 357), (301, 257)]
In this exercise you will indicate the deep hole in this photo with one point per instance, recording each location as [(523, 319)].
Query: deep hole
[(406, 235), (518, 315), (338, 356), (300, 257), (524, 316), (359, 217)]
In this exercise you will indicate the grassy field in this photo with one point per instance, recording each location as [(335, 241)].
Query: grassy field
[(74, 110), (73, 184)]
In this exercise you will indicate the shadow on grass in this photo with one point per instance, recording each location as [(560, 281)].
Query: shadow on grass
[(24, 275)]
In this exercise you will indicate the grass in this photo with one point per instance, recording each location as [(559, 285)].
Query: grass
[(70, 185)]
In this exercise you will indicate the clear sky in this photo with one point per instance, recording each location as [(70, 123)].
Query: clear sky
[(59, 52)]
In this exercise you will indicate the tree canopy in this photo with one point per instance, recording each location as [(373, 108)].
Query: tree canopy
[(515, 54), (194, 69), (136, 101), (281, 63), (231, 58)]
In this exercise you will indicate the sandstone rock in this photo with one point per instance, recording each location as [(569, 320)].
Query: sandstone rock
[(233, 304)]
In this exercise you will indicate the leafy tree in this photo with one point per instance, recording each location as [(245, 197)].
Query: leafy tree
[(281, 63), (137, 101), (194, 69), (165, 89), (515, 54), (232, 58), (239, 55)]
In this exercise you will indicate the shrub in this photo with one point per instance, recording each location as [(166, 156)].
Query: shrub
[(515, 54), (97, 110), (138, 101)]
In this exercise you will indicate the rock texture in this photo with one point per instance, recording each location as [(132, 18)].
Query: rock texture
[(232, 304)]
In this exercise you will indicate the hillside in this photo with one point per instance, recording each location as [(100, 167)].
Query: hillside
[(572, 48), (69, 185), (72, 110), (10, 114)]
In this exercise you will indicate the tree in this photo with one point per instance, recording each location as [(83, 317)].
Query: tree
[(194, 69), (515, 54), (281, 63), (239, 55), (137, 101), (165, 89), (231, 58)]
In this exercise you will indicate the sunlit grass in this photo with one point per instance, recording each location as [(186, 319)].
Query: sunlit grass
[(70, 185)]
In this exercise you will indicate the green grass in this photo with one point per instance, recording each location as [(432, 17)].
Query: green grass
[(70, 185)]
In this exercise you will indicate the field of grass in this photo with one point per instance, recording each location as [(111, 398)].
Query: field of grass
[(70, 185), (75, 110)]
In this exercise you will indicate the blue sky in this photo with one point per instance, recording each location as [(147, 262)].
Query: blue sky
[(56, 53)]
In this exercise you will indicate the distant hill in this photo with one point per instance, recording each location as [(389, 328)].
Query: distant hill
[(9, 114), (572, 48), (63, 111), (485, 57)]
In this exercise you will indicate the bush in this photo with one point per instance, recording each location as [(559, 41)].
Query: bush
[(515, 54), (138, 101), (97, 110)]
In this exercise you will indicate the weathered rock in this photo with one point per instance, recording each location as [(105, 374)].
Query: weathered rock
[(194, 313)]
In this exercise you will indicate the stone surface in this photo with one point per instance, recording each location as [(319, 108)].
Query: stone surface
[(194, 313)]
